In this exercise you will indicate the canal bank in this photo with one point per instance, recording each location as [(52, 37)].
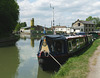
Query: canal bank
[(78, 65), (9, 40)]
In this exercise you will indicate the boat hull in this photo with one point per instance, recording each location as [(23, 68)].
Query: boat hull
[(48, 63)]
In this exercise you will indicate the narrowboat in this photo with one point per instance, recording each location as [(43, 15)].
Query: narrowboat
[(55, 49)]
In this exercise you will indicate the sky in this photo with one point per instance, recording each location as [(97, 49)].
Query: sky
[(65, 11)]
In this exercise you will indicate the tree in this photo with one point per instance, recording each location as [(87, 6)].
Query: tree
[(97, 21), (89, 18), (19, 25), (9, 14)]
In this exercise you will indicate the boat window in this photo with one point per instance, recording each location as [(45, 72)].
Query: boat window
[(78, 43), (70, 46), (58, 46), (55, 46), (89, 39), (81, 41), (51, 45), (74, 43)]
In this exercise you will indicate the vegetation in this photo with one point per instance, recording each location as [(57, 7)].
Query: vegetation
[(90, 18), (77, 66), (9, 14), (96, 20), (19, 25)]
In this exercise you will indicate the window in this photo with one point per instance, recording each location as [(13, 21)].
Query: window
[(78, 43), (86, 25), (78, 24), (81, 29), (92, 25), (92, 29), (70, 46), (56, 46), (74, 43)]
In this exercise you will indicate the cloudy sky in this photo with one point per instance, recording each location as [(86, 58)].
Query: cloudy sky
[(65, 11)]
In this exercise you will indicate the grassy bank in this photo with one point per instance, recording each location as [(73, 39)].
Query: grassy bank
[(78, 65)]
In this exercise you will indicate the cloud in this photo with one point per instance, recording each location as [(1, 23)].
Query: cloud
[(65, 11)]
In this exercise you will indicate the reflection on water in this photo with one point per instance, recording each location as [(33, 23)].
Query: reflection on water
[(9, 62), (32, 42), (43, 74), (21, 61)]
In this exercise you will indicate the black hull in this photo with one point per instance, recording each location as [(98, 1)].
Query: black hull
[(48, 63)]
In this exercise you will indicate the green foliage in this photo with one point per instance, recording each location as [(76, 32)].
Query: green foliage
[(98, 28), (97, 21), (49, 32), (34, 32), (19, 25), (32, 28), (9, 13), (89, 18), (77, 66)]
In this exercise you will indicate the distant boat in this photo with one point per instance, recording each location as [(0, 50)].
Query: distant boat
[(55, 49)]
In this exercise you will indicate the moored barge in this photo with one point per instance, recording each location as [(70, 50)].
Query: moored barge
[(55, 49)]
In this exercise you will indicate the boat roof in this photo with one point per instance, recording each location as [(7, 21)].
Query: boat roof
[(76, 36), (62, 37), (55, 37)]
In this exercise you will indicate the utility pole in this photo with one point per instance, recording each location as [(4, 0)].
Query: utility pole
[(53, 17), (53, 14)]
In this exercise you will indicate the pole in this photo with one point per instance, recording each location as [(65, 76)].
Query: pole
[(56, 60), (53, 20), (53, 17)]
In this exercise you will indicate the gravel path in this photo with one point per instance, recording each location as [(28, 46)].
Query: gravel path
[(95, 65)]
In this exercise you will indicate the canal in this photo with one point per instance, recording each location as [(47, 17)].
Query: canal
[(20, 60)]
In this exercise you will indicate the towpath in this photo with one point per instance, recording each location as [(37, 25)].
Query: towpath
[(95, 65)]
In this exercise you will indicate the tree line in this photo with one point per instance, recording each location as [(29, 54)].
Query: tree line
[(9, 15)]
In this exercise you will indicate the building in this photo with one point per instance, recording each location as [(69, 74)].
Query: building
[(62, 29), (25, 30), (59, 28), (83, 26)]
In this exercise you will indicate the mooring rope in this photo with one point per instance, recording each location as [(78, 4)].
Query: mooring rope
[(55, 60)]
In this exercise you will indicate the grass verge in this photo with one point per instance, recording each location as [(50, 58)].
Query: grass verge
[(78, 65)]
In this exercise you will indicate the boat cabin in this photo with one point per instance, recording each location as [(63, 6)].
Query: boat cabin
[(59, 44)]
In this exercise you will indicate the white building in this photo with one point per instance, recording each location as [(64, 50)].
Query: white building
[(62, 29), (25, 30)]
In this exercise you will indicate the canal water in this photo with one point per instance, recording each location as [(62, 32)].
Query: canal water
[(20, 60)]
